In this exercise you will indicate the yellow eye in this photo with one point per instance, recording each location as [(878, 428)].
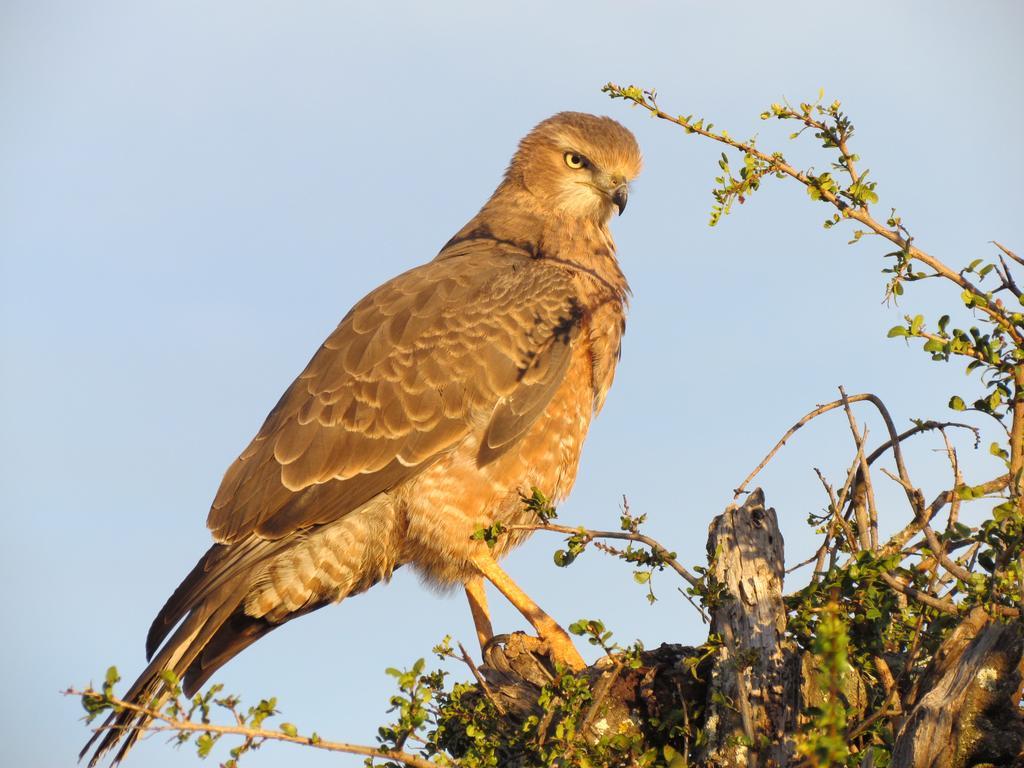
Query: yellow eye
[(575, 160)]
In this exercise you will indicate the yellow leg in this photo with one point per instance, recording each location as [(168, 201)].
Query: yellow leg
[(477, 597), (559, 643)]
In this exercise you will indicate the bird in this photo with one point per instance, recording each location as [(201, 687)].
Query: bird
[(440, 400)]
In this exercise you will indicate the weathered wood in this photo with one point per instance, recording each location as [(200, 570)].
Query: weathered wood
[(752, 702), (967, 713)]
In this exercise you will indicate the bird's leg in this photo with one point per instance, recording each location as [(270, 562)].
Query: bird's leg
[(477, 597), (559, 643)]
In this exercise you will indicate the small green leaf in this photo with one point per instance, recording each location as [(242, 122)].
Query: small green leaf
[(563, 558), (673, 759), (1003, 511), (965, 493), (204, 744), (289, 729)]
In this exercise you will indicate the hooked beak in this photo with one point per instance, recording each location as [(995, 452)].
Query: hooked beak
[(620, 196)]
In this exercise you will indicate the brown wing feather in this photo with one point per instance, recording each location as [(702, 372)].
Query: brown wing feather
[(442, 350), (492, 352)]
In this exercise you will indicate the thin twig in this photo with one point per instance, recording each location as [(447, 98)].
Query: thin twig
[(915, 594), (468, 660), (958, 480), (844, 495), (901, 537), (924, 426), (590, 535), (190, 726), (1008, 281), (1008, 252), (703, 616), (863, 496), (895, 235), (940, 553), (829, 532), (894, 437)]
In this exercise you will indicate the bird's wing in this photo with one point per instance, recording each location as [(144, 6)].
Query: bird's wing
[(477, 341)]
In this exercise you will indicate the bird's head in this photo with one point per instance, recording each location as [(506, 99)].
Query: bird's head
[(577, 165)]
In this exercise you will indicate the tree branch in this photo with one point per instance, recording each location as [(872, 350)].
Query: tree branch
[(190, 726), (862, 215), (589, 535)]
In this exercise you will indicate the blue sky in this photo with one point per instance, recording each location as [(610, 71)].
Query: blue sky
[(192, 194)]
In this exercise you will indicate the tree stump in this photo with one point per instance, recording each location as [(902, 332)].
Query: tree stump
[(753, 694)]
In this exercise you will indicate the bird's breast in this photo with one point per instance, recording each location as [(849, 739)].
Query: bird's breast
[(457, 496)]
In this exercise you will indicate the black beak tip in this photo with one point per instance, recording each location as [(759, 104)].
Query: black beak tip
[(619, 197)]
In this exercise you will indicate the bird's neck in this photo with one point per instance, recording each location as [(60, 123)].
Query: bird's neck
[(581, 244)]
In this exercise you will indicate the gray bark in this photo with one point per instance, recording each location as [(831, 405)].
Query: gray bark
[(756, 668), (966, 713)]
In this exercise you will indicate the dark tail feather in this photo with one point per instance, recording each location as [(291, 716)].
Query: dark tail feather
[(150, 690), (234, 636), (182, 600), (221, 564)]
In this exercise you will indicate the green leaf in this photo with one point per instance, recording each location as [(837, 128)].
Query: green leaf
[(204, 744), (1003, 511), (996, 450), (673, 759), (957, 403), (994, 400), (563, 558), (897, 330), (289, 729)]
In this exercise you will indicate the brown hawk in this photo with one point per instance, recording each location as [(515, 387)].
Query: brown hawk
[(441, 398)]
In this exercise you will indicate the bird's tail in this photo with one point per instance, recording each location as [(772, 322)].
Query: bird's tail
[(150, 691), (215, 621)]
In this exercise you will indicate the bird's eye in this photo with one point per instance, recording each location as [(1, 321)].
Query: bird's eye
[(575, 160)]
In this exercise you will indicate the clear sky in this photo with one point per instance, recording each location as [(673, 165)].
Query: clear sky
[(192, 194)]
